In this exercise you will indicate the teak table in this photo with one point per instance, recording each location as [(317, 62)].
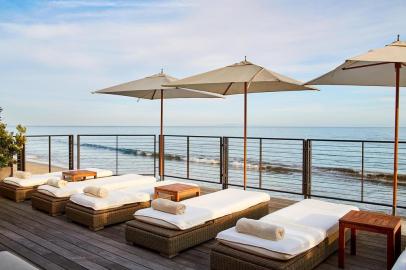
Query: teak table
[(78, 175), (372, 222), (177, 191)]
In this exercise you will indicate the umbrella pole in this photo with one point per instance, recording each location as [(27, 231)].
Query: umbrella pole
[(161, 139), (395, 163), (245, 135)]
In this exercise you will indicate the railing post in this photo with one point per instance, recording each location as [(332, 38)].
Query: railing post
[(362, 171), (116, 155), (71, 154), (154, 155), (49, 154), (260, 163), (187, 157), (221, 141), (225, 162), (305, 168), (21, 159), (78, 152), (309, 169)]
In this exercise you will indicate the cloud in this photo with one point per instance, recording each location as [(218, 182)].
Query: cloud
[(73, 47)]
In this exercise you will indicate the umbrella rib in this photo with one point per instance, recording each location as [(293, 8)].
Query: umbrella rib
[(228, 88), (253, 77), (153, 95), (368, 65)]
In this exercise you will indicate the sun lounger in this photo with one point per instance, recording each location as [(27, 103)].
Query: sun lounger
[(311, 235), (204, 217), (400, 262), (119, 205), (52, 200), (18, 189)]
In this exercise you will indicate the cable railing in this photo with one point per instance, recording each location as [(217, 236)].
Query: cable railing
[(55, 152), (120, 153), (357, 171), (198, 158), (273, 164)]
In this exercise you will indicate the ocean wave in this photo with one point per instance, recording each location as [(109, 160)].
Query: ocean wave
[(384, 177)]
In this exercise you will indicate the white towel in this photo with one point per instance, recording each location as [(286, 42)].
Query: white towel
[(96, 191), (260, 229), (56, 182), (168, 206)]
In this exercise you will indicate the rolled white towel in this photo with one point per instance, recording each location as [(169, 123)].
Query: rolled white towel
[(96, 191), (168, 206), (57, 182), (260, 229), (22, 175)]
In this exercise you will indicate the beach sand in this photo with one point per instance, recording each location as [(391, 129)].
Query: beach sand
[(39, 168)]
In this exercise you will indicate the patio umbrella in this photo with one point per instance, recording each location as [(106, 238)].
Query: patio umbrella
[(151, 88), (379, 67), (240, 78)]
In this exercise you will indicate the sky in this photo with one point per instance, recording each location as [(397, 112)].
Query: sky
[(55, 53)]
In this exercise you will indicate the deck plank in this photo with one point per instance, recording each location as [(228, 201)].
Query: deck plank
[(54, 243)]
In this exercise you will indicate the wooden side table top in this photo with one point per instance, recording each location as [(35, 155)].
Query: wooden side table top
[(177, 191), (372, 220), (172, 188), (78, 174)]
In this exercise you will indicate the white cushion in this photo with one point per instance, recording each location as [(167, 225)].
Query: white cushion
[(208, 207), (306, 224), (34, 180), (109, 183), (119, 197)]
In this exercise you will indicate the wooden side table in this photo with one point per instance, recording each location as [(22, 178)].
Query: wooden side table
[(372, 222), (78, 175), (177, 191)]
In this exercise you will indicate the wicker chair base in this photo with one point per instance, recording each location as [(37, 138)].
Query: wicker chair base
[(98, 219), (15, 193), (170, 242), (227, 258), (51, 205)]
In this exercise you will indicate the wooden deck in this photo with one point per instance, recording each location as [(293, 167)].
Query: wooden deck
[(53, 243)]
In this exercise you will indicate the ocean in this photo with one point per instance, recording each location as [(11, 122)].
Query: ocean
[(338, 169)]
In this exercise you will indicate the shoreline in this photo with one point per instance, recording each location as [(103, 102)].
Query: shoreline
[(40, 168)]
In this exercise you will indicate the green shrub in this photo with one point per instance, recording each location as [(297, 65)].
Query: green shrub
[(10, 143)]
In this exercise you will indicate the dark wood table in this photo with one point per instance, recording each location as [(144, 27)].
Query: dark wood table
[(177, 191), (372, 222), (78, 175)]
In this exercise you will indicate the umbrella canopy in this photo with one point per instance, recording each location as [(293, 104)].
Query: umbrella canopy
[(151, 88), (379, 67), (240, 78), (374, 68)]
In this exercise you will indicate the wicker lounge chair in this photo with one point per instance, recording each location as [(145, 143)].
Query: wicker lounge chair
[(98, 219), (118, 207), (53, 200), (170, 241), (234, 255), (54, 206), (20, 190), (16, 193)]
